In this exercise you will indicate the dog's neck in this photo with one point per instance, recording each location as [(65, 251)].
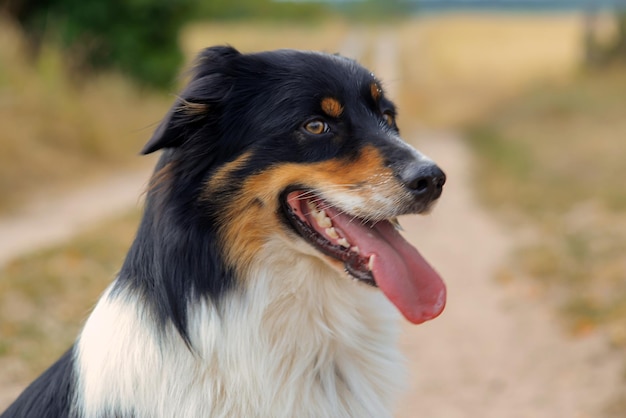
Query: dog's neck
[(312, 333), (295, 339)]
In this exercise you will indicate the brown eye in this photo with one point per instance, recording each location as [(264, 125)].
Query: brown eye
[(389, 118), (316, 127)]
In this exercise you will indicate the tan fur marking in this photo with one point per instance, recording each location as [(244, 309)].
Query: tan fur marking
[(161, 177), (245, 228), (375, 91), (221, 177), (191, 108), (251, 218), (332, 107)]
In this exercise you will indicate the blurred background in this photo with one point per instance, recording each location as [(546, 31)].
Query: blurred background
[(534, 90)]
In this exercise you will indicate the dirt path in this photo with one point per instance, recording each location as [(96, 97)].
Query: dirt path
[(496, 352), (46, 221)]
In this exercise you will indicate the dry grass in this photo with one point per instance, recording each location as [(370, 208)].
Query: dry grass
[(457, 68), (555, 158), (45, 297), (55, 132)]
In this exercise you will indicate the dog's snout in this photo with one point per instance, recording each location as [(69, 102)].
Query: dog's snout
[(425, 181)]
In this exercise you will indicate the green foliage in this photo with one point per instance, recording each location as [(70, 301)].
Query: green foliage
[(138, 37)]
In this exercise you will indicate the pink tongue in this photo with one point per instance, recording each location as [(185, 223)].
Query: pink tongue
[(400, 271)]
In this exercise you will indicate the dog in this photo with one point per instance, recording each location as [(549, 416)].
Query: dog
[(267, 272)]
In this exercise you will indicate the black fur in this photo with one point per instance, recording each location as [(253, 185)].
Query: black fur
[(50, 395)]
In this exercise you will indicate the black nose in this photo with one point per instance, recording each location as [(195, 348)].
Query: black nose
[(425, 181)]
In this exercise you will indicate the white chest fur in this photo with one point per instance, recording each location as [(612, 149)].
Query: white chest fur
[(300, 341)]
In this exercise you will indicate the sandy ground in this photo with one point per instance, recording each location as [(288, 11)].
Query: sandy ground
[(495, 351)]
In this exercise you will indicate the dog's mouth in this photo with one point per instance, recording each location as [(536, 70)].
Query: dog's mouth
[(372, 252)]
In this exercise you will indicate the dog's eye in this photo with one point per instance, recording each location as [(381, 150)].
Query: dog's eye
[(316, 127), (389, 118)]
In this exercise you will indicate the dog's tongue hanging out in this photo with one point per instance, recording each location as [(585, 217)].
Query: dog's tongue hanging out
[(399, 270)]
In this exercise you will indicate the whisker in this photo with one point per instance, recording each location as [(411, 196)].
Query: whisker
[(367, 219)]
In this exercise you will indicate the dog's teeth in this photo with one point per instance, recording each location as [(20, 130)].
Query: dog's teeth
[(323, 220), (319, 215), (332, 232), (354, 249), (312, 209), (343, 242), (396, 224), (370, 264)]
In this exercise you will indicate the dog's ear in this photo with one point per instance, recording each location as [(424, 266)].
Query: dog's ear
[(209, 85)]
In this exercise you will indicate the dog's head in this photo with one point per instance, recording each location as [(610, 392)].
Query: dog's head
[(302, 147)]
